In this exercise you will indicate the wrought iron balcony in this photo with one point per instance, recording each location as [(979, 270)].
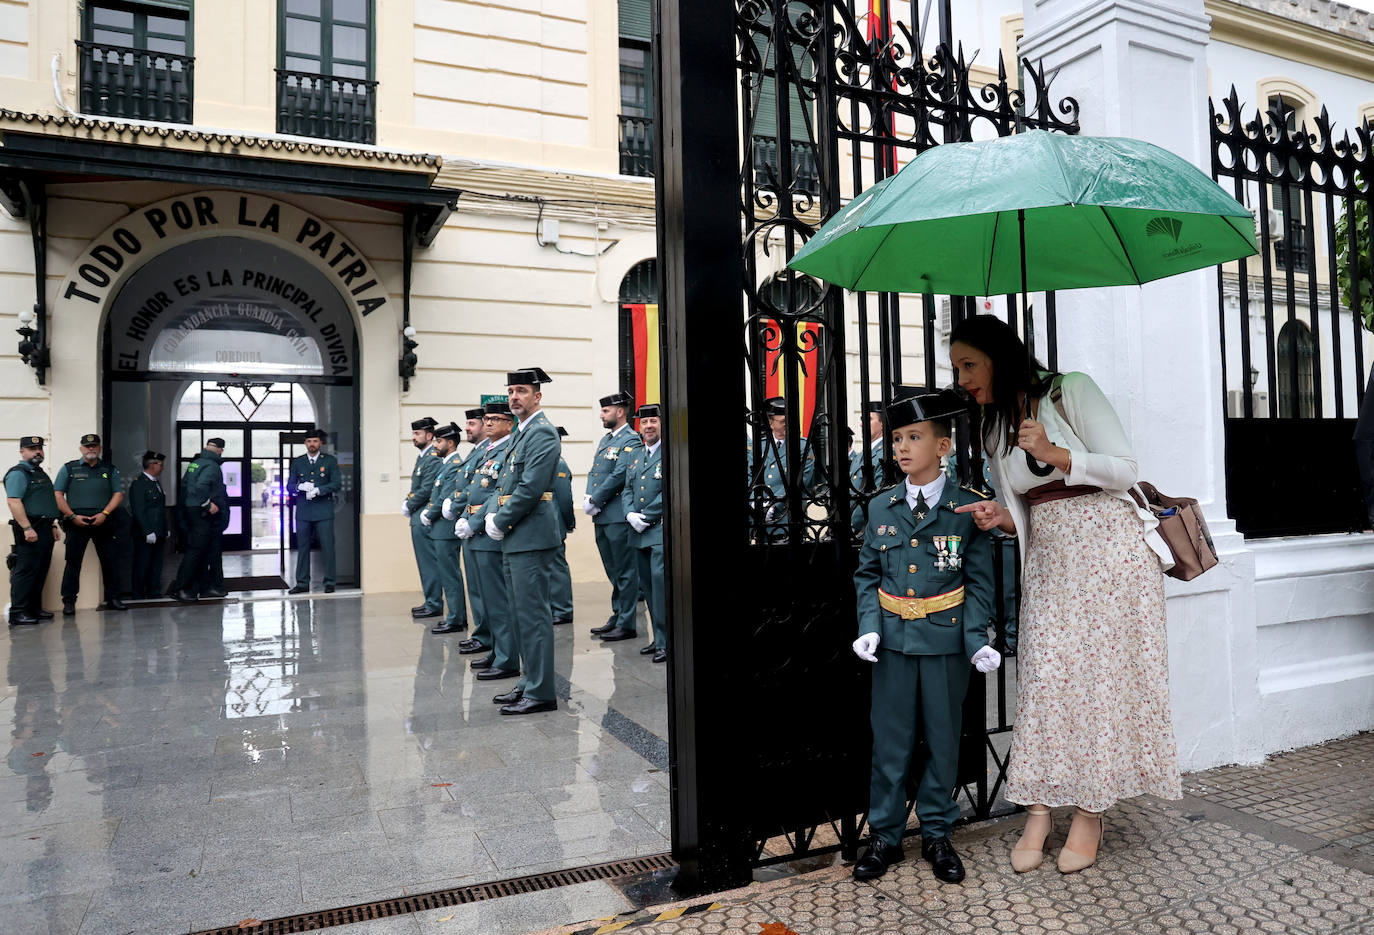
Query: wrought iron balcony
[(326, 106), (804, 171), (636, 145), (119, 81)]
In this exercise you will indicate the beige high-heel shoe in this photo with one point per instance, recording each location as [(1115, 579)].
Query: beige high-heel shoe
[(1025, 859), (1072, 861)]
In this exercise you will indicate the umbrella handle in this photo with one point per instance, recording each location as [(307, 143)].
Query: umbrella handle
[(1038, 469)]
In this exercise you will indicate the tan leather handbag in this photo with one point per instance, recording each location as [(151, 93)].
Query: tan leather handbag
[(1183, 528)]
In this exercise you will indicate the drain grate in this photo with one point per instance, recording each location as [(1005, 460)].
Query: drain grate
[(439, 899)]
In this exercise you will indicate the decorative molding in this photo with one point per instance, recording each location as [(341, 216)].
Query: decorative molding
[(525, 191), (1272, 33)]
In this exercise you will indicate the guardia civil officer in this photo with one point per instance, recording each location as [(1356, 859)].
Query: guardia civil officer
[(33, 511), (148, 506), (89, 494), (605, 481), (313, 483), (560, 586), (421, 487), (643, 503), (523, 518), (924, 586), (769, 473), (205, 516), (447, 546), (484, 553), (452, 509)]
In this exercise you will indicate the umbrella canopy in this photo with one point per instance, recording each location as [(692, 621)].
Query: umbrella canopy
[(1096, 211)]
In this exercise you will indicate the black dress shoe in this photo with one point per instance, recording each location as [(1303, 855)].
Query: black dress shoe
[(558, 620), (19, 619), (329, 589), (186, 597), (215, 593), (491, 675), (446, 627), (298, 589), (510, 697), (529, 706), (611, 636), (44, 615), (469, 646), (876, 858), (661, 656), (648, 650), (432, 612), (944, 861), (420, 609), (486, 662), (606, 627), (69, 609), (115, 603)]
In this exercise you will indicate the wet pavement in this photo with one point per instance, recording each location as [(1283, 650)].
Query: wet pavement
[(173, 769)]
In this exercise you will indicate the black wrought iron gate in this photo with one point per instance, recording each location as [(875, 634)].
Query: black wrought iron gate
[(769, 708)]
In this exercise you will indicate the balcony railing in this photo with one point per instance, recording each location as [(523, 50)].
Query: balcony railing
[(118, 81), (636, 145), (326, 106), (637, 156)]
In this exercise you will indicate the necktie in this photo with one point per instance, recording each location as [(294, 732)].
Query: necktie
[(919, 510)]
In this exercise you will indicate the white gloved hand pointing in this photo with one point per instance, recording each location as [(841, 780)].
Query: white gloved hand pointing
[(866, 645), (447, 508), (151, 538), (494, 532), (986, 659), (637, 521)]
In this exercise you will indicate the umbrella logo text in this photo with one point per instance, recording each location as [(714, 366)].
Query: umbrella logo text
[(1162, 225)]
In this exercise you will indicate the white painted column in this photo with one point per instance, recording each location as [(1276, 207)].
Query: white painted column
[(1138, 68)]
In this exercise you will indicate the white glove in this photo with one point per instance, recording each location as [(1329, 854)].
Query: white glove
[(462, 530), (987, 659), (637, 521), (312, 493), (447, 508), (494, 532), (589, 506), (151, 538), (405, 507), (307, 486), (425, 520), (866, 645), (768, 517)]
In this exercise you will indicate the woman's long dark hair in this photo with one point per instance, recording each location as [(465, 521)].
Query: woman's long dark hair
[(1013, 373)]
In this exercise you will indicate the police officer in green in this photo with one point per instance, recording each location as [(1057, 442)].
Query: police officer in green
[(33, 511), (205, 515), (148, 504), (560, 587), (422, 477), (448, 548), (484, 552), (924, 586), (89, 494), (605, 481), (313, 483), (523, 518), (770, 470), (643, 502), (452, 509)]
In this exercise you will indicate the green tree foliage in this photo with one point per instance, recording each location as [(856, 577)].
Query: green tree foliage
[(1353, 267), (258, 472)]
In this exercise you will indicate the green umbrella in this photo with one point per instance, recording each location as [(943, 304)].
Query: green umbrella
[(1030, 212)]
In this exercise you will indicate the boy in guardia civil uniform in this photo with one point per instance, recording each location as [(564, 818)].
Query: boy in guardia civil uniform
[(421, 486), (33, 511), (148, 504), (452, 509), (447, 546), (643, 502), (523, 518), (313, 483), (560, 587), (924, 586), (605, 481)]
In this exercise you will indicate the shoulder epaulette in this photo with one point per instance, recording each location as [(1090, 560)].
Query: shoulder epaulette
[(976, 493)]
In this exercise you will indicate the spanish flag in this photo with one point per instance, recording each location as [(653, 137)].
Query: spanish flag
[(804, 378), (644, 333)]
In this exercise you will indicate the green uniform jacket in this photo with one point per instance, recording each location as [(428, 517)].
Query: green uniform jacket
[(774, 465), (325, 476), (606, 477), (88, 489), (148, 503), (899, 555), (481, 474), (562, 497), (530, 522), (427, 467), (450, 475), (36, 494), (644, 494), (467, 468), (203, 483)]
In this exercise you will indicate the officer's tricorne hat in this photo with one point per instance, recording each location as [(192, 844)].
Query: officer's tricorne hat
[(90, 439), (30, 441), (875, 406), (775, 406), (620, 398), (316, 433), (942, 405), (150, 456), (527, 376), (497, 409), (425, 424), (475, 413), (217, 442), (648, 411), (447, 431)]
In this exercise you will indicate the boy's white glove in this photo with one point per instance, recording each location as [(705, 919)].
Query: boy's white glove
[(151, 538), (865, 647), (987, 659), (462, 530), (425, 520), (447, 508), (637, 521), (494, 532)]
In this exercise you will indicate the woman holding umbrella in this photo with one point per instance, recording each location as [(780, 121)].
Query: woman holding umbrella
[(1093, 724)]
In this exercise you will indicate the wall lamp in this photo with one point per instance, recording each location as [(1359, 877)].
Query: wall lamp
[(32, 347), (406, 367)]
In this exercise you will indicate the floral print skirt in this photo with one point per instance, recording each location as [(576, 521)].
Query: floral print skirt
[(1093, 723)]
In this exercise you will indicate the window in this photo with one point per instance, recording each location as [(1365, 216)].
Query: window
[(324, 80), (1288, 223), (136, 60), (1295, 354), (636, 90)]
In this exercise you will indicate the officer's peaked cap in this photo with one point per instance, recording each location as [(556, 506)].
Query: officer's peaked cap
[(30, 441), (90, 439)]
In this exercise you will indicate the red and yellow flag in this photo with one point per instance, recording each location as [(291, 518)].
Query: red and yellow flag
[(804, 378), (644, 331)]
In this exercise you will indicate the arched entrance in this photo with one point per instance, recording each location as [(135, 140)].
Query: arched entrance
[(237, 338)]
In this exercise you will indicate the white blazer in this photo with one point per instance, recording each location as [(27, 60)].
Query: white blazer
[(1102, 457)]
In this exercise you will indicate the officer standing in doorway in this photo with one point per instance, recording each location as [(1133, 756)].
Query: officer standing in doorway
[(560, 586), (314, 482), (605, 481), (421, 488), (205, 514), (643, 503), (148, 504), (33, 512), (89, 493), (448, 548)]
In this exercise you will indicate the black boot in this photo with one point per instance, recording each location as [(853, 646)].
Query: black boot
[(876, 858)]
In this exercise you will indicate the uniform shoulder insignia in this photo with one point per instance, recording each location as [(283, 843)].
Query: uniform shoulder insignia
[(977, 493)]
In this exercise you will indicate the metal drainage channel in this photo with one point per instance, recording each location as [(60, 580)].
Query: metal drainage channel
[(439, 899)]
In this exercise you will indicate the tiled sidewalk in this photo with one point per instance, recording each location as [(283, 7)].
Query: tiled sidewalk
[(1287, 847)]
